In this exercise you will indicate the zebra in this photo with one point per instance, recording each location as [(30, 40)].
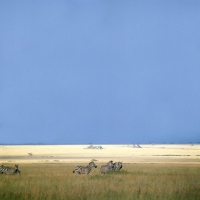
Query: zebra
[(106, 168), (117, 166), (84, 170), (9, 170), (1, 167)]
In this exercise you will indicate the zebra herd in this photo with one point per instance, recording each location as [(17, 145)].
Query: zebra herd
[(110, 166), (9, 170)]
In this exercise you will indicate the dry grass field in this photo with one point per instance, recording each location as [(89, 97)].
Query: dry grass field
[(151, 172), (82, 154), (134, 181)]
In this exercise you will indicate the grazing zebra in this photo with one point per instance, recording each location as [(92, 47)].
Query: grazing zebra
[(106, 168), (117, 166), (84, 170), (9, 170)]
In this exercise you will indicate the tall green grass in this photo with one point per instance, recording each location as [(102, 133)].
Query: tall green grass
[(134, 181)]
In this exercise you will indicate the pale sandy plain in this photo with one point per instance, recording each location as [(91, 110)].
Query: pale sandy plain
[(157, 153)]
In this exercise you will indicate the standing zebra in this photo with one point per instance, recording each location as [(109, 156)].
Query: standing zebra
[(106, 168), (117, 166), (9, 170), (84, 170)]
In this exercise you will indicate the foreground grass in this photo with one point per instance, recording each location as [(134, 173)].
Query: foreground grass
[(135, 181)]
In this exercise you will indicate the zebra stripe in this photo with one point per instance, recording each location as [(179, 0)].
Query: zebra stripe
[(1, 169), (9, 170), (84, 170), (106, 168), (117, 166)]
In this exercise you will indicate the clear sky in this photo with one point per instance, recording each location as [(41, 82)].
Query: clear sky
[(99, 71)]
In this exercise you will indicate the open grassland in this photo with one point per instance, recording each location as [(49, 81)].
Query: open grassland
[(150, 172), (80, 153), (134, 181)]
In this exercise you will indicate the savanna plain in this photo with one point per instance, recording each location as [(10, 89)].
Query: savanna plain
[(149, 172)]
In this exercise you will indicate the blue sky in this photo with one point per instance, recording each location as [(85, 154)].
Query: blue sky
[(95, 71)]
